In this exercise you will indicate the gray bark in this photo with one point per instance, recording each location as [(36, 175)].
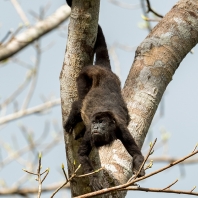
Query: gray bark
[(156, 60), (79, 52)]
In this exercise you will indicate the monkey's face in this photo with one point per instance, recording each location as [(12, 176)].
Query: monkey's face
[(103, 129)]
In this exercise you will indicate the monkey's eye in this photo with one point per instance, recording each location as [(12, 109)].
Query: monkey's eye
[(93, 122), (100, 121), (114, 121)]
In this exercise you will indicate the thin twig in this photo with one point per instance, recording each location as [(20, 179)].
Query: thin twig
[(193, 188), (11, 152), (59, 188), (125, 47), (195, 148), (34, 33), (74, 176), (149, 165), (31, 173), (20, 11), (67, 180), (145, 14), (20, 27), (16, 92), (115, 59), (165, 159), (39, 177), (34, 81), (22, 63), (149, 19), (38, 174), (88, 174), (170, 185), (5, 37), (151, 10), (145, 159), (161, 190), (36, 109), (124, 186), (25, 191), (15, 155), (63, 168), (47, 172)]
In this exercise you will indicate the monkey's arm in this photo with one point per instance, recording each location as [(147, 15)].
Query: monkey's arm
[(74, 117), (132, 148), (83, 152)]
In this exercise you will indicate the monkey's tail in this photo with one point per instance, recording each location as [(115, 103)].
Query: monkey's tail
[(100, 48)]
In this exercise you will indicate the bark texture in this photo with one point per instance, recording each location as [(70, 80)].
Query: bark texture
[(79, 52), (155, 63), (156, 60)]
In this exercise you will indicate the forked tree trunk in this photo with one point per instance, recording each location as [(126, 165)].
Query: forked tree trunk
[(156, 60)]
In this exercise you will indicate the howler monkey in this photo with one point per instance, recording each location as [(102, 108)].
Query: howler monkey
[(101, 107)]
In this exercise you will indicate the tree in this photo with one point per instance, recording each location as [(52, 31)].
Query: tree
[(156, 60)]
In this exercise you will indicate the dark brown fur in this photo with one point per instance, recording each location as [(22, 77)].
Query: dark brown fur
[(101, 107)]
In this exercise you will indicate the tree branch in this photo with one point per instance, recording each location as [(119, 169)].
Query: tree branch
[(33, 190), (20, 11), (156, 60), (126, 185), (79, 52), (26, 112), (161, 190), (33, 33), (150, 9)]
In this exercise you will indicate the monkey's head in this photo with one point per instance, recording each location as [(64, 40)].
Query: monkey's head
[(103, 129)]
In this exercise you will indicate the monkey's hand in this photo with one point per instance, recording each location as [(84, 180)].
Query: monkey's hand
[(137, 162), (95, 184), (69, 126)]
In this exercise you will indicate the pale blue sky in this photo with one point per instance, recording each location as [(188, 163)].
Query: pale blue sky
[(122, 26)]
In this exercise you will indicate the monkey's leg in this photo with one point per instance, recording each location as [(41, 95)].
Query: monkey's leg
[(132, 148), (84, 83), (83, 152)]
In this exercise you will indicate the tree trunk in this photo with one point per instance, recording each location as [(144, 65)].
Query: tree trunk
[(79, 52), (156, 60)]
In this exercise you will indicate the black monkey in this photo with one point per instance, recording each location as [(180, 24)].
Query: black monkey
[(101, 107)]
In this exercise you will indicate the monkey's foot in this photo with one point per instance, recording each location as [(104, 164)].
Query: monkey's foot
[(95, 184), (137, 162)]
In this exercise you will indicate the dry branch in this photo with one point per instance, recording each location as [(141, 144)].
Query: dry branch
[(33, 33), (126, 185), (33, 190), (150, 9), (20, 11), (166, 159), (161, 190), (37, 109), (39, 174)]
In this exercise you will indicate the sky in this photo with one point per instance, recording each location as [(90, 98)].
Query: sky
[(121, 26)]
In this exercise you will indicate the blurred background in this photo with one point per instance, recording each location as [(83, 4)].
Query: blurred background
[(31, 78)]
